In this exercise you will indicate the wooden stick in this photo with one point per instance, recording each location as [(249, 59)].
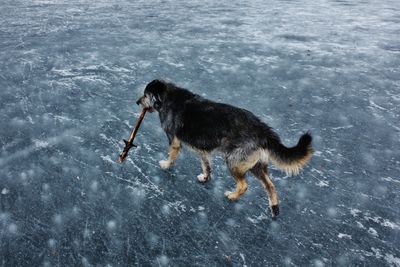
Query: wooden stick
[(129, 144)]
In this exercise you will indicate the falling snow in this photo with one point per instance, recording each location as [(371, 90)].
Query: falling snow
[(71, 72)]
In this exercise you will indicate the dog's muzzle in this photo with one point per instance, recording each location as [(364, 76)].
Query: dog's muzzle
[(145, 105)]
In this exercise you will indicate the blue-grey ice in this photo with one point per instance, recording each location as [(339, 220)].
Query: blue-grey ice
[(71, 71)]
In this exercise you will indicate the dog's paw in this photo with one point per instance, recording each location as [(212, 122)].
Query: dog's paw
[(202, 178), (164, 164), (231, 195), (275, 211)]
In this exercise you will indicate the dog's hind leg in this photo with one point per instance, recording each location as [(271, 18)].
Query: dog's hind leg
[(260, 170), (205, 166), (238, 172), (239, 163), (241, 184), (173, 151)]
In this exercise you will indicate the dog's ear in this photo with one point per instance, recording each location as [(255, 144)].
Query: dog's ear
[(158, 90)]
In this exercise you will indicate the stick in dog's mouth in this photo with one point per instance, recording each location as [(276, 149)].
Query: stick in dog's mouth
[(129, 143)]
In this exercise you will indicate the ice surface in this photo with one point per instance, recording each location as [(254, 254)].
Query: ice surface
[(71, 71)]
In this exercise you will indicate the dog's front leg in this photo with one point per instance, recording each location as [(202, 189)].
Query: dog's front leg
[(173, 152), (205, 166)]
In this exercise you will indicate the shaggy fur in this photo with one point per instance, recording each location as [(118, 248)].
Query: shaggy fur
[(246, 142)]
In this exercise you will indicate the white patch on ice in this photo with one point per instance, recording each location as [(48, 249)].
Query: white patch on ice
[(140, 189), (30, 120), (373, 232), (63, 72), (152, 238), (94, 186), (150, 185), (166, 210), (360, 225), (231, 222), (389, 258), (62, 118), (382, 221), (80, 139), (319, 99), (85, 262), (52, 242), (107, 158), (111, 225), (390, 224), (37, 145), (4, 216), (332, 212), (318, 245), (342, 127), (75, 210), (392, 260), (243, 259), (322, 183), (201, 208), (253, 221), (163, 260), (108, 139), (389, 179), (12, 228), (91, 80), (377, 219), (373, 104), (176, 65), (340, 235), (369, 159), (287, 261), (355, 212), (317, 153), (319, 263), (202, 215), (45, 187), (320, 173), (24, 176), (40, 143), (58, 219), (5, 191), (177, 206), (258, 219)]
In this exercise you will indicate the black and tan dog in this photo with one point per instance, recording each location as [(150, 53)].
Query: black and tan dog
[(206, 126)]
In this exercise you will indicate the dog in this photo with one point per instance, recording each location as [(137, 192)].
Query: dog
[(247, 143)]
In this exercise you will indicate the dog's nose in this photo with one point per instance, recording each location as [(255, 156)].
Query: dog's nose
[(138, 102)]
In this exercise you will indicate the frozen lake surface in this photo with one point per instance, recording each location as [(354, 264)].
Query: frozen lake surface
[(71, 71)]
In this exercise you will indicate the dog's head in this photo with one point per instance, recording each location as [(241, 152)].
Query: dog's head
[(154, 96)]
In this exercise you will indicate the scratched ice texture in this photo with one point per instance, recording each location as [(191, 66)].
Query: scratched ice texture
[(71, 71)]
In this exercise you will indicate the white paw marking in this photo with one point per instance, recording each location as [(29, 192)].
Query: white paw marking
[(227, 193), (165, 164), (231, 195), (202, 178)]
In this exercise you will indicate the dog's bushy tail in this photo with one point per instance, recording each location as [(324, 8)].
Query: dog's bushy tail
[(291, 160)]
